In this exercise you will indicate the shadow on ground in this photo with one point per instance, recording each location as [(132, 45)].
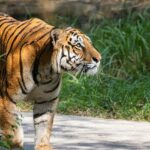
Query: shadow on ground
[(85, 133)]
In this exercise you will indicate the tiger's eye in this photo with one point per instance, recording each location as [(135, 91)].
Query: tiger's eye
[(78, 45)]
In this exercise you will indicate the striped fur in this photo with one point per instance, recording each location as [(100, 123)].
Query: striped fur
[(34, 55)]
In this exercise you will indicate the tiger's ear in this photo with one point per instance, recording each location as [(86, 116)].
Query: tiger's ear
[(68, 28), (55, 34)]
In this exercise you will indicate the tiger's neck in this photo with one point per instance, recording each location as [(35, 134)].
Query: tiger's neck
[(42, 70)]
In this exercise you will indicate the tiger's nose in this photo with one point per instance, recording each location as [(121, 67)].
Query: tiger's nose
[(96, 59)]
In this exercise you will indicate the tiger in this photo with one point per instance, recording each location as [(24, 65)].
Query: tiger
[(34, 56)]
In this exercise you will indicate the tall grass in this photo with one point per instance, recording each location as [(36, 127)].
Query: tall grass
[(121, 89), (125, 45)]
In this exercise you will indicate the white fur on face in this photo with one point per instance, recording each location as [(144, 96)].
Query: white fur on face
[(77, 40), (70, 61), (93, 68), (90, 68)]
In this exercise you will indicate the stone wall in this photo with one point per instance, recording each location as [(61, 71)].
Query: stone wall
[(85, 10)]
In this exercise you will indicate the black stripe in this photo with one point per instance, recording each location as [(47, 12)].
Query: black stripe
[(36, 62), (8, 96), (28, 23), (39, 55), (51, 100), (35, 70), (16, 35), (3, 23), (63, 55), (54, 88), (82, 70), (3, 19), (13, 32), (38, 30), (63, 68), (68, 48), (22, 88), (35, 27), (69, 57), (43, 36), (47, 82), (36, 67), (74, 34), (43, 121), (15, 114), (74, 51), (69, 43), (21, 68), (40, 114), (8, 25), (12, 25), (29, 33), (68, 61), (5, 34), (57, 62), (47, 46), (8, 21)]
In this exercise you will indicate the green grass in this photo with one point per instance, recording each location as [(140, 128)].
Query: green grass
[(121, 89), (106, 96)]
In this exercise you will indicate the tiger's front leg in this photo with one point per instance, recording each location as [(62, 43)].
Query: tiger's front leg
[(10, 123), (43, 121)]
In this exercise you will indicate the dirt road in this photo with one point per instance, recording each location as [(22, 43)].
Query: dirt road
[(85, 133)]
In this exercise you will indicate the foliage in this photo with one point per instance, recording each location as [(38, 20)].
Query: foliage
[(121, 89), (124, 44), (106, 96), (4, 144)]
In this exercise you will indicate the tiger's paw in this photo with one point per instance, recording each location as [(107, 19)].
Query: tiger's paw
[(17, 144), (43, 147)]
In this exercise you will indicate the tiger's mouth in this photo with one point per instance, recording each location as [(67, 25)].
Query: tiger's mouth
[(79, 66), (89, 69)]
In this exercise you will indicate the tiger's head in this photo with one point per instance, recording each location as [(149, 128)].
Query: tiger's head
[(73, 52)]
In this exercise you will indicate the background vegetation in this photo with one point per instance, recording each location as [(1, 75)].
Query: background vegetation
[(121, 89)]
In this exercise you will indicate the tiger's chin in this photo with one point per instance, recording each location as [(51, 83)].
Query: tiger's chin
[(92, 71), (86, 70)]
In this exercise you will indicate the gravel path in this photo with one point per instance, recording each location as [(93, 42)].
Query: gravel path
[(86, 133)]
